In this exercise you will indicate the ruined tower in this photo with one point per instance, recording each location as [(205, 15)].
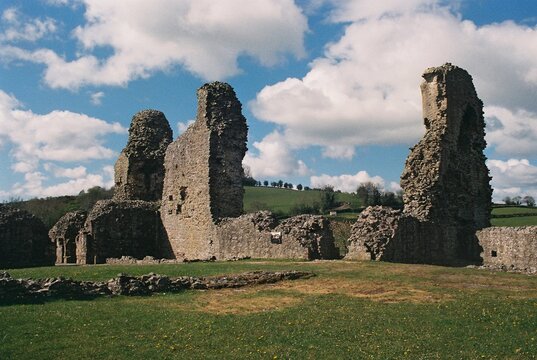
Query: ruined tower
[(139, 170), (445, 180), (446, 190), (203, 168)]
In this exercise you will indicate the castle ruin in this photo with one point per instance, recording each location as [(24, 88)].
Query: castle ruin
[(183, 200), (202, 196), (445, 182), (203, 181)]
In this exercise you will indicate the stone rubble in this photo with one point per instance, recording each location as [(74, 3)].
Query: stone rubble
[(12, 290)]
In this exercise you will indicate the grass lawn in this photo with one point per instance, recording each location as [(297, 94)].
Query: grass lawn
[(351, 310)]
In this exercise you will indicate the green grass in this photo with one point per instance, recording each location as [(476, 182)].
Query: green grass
[(513, 210), (281, 201), (351, 310), (516, 219)]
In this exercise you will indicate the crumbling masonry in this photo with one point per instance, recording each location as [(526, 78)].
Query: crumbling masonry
[(64, 234), (128, 225), (139, 170), (198, 180), (445, 182), (203, 194)]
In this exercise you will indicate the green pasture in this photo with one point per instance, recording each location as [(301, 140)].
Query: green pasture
[(350, 310)]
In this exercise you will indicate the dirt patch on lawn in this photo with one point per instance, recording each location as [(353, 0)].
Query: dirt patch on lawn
[(390, 292), (243, 302), (290, 293)]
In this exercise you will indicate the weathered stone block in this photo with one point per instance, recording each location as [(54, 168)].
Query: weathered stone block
[(259, 235)]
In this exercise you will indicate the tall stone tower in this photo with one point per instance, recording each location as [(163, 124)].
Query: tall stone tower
[(139, 170), (445, 181), (203, 182)]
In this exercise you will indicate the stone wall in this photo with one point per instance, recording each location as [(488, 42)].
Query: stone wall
[(23, 240), (139, 170), (259, 235), (373, 233), (64, 234), (203, 180), (510, 247), (117, 228)]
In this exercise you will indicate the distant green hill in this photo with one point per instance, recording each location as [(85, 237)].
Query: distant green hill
[(285, 202), (282, 202)]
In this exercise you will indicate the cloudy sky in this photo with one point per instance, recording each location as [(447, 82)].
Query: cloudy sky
[(330, 88)]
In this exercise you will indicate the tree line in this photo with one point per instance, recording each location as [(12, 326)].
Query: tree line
[(518, 200)]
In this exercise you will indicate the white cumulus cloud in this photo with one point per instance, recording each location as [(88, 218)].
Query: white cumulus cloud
[(365, 89), (345, 182), (274, 158), (203, 36), (59, 136), (514, 177), (511, 132), (15, 27)]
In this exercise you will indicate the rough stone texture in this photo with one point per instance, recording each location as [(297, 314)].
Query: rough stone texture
[(258, 235), (372, 234), (202, 196), (16, 290), (446, 190), (513, 248), (203, 180), (139, 170), (64, 234), (445, 180), (23, 240), (116, 228)]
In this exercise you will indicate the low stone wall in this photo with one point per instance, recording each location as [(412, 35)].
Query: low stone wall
[(259, 235), (383, 234), (120, 228), (16, 290), (509, 247)]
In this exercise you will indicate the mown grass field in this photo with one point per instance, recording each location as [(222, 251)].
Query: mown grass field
[(512, 216), (350, 310), (281, 201)]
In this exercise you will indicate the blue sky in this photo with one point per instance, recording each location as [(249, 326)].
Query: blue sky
[(330, 88)]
